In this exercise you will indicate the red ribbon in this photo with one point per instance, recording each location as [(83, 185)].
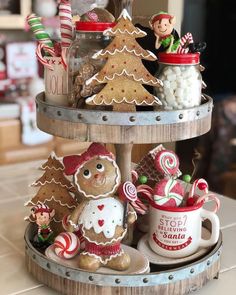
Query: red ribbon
[(72, 163), (99, 250)]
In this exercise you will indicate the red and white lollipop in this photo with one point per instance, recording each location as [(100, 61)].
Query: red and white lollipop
[(167, 163), (66, 245), (128, 193), (168, 193)]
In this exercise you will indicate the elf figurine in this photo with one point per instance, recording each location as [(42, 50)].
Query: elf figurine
[(100, 216), (43, 216), (167, 38), (163, 27)]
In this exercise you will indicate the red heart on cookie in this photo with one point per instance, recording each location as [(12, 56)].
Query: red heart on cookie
[(100, 222), (100, 207)]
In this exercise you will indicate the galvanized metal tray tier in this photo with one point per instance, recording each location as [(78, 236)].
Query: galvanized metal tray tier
[(170, 281), (123, 128)]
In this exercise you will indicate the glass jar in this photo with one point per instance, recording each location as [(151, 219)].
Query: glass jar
[(182, 80), (81, 62)]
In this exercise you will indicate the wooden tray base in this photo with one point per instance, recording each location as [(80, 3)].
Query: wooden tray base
[(168, 281)]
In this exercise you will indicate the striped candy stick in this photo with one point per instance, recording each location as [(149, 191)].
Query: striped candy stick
[(38, 29), (187, 38), (66, 25)]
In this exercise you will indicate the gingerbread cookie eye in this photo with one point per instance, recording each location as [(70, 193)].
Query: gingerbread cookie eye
[(87, 174), (100, 167)]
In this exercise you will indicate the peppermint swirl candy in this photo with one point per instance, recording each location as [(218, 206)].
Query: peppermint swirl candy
[(167, 163), (128, 191), (66, 245)]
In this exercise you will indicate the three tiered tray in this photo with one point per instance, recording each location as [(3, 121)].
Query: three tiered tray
[(124, 130)]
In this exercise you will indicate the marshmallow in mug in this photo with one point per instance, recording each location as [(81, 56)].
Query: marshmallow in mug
[(182, 87)]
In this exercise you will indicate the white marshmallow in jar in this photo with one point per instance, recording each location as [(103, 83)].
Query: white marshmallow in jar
[(182, 80)]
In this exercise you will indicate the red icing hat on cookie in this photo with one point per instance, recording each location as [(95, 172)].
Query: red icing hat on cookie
[(72, 163)]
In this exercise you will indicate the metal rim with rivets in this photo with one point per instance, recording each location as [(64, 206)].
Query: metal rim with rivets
[(140, 280), (139, 118)]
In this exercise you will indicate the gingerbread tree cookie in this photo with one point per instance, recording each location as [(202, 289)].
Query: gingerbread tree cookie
[(124, 72), (53, 192)]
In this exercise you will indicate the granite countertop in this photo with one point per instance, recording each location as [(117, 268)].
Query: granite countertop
[(14, 278)]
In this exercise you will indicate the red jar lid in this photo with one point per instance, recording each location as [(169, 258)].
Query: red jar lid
[(93, 26), (179, 59)]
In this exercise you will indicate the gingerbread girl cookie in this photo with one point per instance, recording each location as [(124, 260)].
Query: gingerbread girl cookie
[(100, 217)]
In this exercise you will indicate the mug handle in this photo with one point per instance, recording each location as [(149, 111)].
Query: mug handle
[(214, 219)]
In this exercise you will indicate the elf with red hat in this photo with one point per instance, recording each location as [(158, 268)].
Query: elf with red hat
[(163, 27), (167, 38), (43, 216)]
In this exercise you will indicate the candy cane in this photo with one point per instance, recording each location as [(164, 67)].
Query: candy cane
[(198, 183), (146, 192), (186, 38), (207, 197), (63, 58), (134, 175), (139, 207), (42, 59), (39, 31)]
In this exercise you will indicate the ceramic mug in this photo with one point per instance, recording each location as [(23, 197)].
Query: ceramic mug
[(176, 232)]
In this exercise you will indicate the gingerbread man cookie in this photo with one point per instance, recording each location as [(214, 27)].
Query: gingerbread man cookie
[(100, 217)]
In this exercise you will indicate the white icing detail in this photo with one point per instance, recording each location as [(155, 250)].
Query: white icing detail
[(104, 261), (50, 168), (73, 224), (152, 54), (124, 14), (89, 99), (87, 82), (125, 31), (124, 71), (53, 156), (124, 99), (49, 182), (49, 200), (125, 48), (117, 180), (158, 100), (97, 54), (103, 220), (108, 242)]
